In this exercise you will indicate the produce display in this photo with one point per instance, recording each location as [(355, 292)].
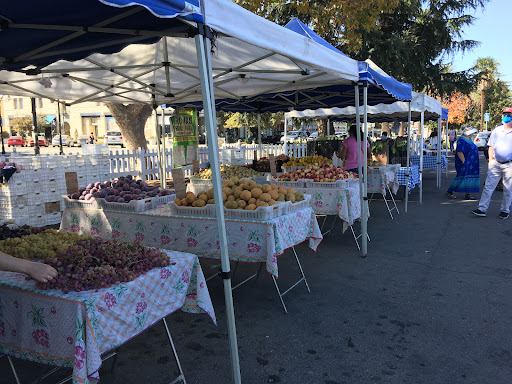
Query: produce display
[(121, 190), (308, 160), (7, 232), (319, 173), (263, 164), (229, 171), (243, 194), (39, 245), (96, 263)]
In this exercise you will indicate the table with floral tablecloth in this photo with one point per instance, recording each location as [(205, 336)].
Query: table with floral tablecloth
[(344, 202), (382, 177), (75, 329), (248, 240)]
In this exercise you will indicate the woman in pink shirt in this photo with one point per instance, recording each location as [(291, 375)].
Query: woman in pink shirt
[(349, 151)]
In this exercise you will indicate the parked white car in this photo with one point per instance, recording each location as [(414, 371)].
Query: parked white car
[(114, 138), (481, 139), (295, 136), (66, 141)]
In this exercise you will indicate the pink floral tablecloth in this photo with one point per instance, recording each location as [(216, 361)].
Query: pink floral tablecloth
[(248, 241), (378, 181), (75, 329), (344, 202)]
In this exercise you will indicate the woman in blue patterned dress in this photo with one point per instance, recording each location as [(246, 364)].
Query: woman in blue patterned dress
[(467, 166)]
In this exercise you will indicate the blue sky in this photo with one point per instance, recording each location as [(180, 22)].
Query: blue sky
[(490, 29)]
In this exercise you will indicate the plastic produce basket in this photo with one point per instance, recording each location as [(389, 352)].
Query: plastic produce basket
[(334, 184), (132, 206), (178, 210), (290, 184), (289, 207), (161, 200), (259, 214)]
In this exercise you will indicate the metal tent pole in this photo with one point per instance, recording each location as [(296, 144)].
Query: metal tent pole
[(163, 182), (259, 135), (360, 167), (34, 123), (2, 134), (285, 147), (61, 150), (203, 50), (157, 134), (447, 146), (364, 227), (438, 168), (408, 156), (421, 156)]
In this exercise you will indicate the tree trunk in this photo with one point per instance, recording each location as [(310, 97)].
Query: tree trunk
[(131, 119), (322, 127)]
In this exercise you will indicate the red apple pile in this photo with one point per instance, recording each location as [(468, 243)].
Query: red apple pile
[(319, 173), (121, 190)]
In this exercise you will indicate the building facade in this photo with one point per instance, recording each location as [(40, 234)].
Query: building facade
[(76, 120)]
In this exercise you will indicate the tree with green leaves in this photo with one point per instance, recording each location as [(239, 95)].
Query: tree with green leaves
[(340, 22), (415, 41), (24, 124)]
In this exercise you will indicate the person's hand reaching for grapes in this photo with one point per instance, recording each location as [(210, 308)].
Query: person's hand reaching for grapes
[(41, 272)]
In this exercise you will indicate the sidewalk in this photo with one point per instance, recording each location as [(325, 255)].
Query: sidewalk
[(431, 304)]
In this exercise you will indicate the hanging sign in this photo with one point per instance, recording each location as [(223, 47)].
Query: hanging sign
[(273, 168), (184, 134), (180, 188)]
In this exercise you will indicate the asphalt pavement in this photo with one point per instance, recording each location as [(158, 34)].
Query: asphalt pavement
[(430, 303)]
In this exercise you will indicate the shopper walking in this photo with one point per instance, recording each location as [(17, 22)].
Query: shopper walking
[(467, 166), (500, 165), (452, 136)]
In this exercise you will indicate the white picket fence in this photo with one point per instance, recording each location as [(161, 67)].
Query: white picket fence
[(144, 163)]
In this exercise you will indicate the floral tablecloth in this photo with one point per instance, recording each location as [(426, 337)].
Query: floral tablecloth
[(344, 202), (378, 181), (248, 241), (74, 329)]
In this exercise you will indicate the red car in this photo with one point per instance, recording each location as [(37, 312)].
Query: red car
[(16, 140), (42, 142)]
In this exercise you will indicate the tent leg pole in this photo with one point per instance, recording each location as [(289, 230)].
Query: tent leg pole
[(259, 135), (365, 173), (360, 165), (205, 72), (408, 154), (421, 157), (438, 168)]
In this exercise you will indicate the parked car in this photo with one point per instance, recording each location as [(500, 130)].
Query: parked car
[(41, 139), (16, 140), (341, 135), (114, 138), (295, 136), (82, 140), (481, 139), (66, 141)]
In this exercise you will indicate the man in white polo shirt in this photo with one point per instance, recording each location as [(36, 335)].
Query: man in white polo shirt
[(500, 165)]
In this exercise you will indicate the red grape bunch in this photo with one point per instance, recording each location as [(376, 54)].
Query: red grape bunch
[(97, 263)]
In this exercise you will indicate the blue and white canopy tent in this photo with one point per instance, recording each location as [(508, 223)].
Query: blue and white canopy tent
[(378, 87), (143, 52), (422, 108)]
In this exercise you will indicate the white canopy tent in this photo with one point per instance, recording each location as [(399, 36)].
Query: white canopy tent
[(237, 55), (422, 107)]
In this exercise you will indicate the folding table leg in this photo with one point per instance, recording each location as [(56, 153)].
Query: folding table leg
[(393, 199), (294, 285), (356, 237), (13, 370), (181, 377), (387, 206)]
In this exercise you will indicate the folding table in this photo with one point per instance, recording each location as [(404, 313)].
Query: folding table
[(75, 330), (248, 240)]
